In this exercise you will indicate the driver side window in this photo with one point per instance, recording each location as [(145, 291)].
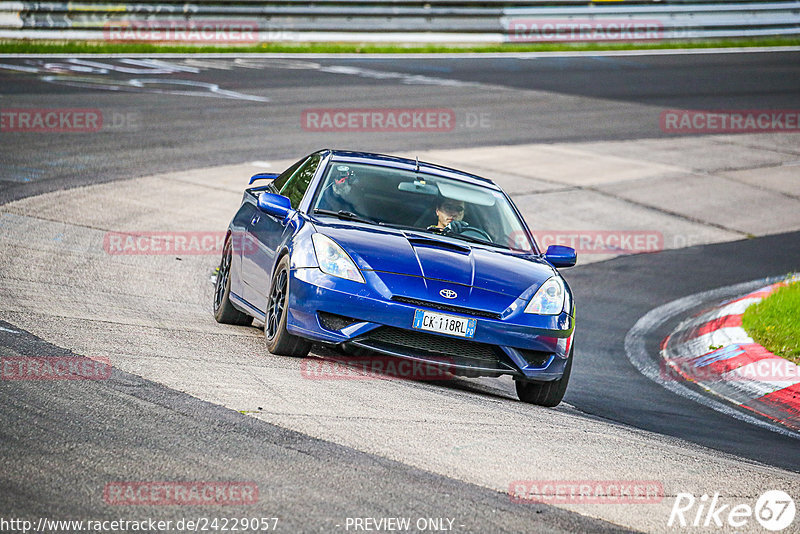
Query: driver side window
[(281, 180)]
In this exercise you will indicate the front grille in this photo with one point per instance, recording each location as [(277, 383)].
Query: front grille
[(447, 307), (331, 321), (398, 337)]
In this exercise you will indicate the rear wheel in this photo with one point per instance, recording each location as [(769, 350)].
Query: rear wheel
[(279, 340), (545, 393), (224, 312)]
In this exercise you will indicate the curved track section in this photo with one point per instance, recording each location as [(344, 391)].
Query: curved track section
[(322, 451), (636, 341)]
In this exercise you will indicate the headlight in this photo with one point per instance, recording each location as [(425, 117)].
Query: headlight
[(333, 260), (549, 299)]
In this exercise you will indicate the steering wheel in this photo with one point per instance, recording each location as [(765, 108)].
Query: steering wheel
[(462, 228), (476, 232)]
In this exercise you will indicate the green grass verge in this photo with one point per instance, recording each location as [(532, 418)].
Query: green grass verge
[(775, 322), (102, 47)]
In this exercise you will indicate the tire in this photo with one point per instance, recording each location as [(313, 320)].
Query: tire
[(224, 312), (279, 340), (547, 394)]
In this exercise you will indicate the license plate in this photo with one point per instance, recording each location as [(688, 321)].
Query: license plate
[(444, 324)]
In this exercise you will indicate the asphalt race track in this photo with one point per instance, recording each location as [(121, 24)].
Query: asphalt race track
[(562, 99), (174, 408), (126, 425)]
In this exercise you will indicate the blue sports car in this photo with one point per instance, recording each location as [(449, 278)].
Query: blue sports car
[(404, 259)]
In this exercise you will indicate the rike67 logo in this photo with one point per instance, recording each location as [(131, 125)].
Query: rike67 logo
[(774, 510)]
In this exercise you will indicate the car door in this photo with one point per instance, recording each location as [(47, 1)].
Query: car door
[(267, 233)]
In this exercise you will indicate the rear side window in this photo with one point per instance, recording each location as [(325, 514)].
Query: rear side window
[(296, 186)]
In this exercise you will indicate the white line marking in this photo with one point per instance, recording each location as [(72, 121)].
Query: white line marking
[(266, 164), (716, 314), (8, 330), (144, 67), (637, 353), (151, 85), (20, 68), (739, 307), (402, 77)]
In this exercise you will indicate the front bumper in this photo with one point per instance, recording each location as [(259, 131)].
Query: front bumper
[(363, 316)]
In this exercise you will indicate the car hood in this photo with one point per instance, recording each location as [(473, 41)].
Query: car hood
[(439, 259)]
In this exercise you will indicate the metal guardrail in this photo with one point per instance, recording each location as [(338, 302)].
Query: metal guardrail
[(453, 21)]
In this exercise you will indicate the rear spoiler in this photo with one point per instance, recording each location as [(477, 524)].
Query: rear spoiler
[(263, 176)]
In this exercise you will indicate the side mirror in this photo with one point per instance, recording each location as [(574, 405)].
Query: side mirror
[(561, 256), (273, 204)]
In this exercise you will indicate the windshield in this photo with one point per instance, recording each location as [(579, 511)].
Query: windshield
[(406, 199)]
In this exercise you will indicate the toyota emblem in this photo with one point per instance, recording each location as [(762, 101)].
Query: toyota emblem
[(448, 293)]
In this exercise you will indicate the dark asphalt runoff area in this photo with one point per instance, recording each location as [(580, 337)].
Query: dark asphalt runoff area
[(61, 442)]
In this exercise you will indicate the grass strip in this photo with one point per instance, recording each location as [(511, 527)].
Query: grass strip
[(775, 322), (104, 47)]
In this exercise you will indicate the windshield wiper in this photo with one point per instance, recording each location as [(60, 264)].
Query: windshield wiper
[(472, 239), (403, 227), (346, 215)]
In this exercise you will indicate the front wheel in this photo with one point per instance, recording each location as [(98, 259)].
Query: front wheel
[(279, 340), (547, 394)]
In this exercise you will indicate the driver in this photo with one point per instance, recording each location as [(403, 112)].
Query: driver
[(447, 211), (336, 196)]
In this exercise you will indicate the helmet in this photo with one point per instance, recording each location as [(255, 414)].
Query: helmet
[(344, 178)]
